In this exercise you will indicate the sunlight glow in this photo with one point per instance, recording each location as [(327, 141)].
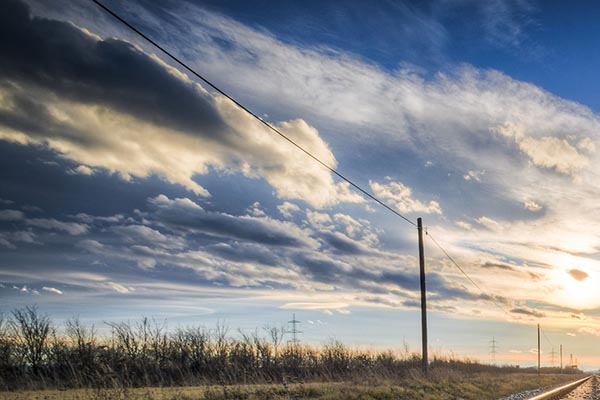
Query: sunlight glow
[(579, 292)]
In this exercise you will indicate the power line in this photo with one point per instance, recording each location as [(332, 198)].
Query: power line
[(491, 297), (548, 340), (265, 123), (285, 137)]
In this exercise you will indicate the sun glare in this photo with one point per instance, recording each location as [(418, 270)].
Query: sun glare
[(579, 289)]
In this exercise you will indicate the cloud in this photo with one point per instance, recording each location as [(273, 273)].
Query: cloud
[(507, 267), (118, 287), (578, 274), (287, 209), (110, 105), (532, 205), (140, 234), (93, 246), (52, 290), (528, 311), (489, 223), (314, 306), (318, 220), (400, 197), (474, 175), (184, 213), (11, 215), (72, 228), (81, 170), (585, 330), (547, 152), (464, 225)]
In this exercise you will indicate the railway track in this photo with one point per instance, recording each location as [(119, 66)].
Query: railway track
[(582, 389)]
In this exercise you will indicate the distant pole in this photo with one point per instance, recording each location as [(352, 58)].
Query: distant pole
[(424, 362), (295, 341), (561, 364), (539, 363), (493, 349)]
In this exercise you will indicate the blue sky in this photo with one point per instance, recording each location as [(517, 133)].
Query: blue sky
[(129, 189)]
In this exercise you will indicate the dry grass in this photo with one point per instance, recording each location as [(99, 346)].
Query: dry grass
[(443, 384)]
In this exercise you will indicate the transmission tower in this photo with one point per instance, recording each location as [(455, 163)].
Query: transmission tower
[(294, 341), (493, 348), (552, 356)]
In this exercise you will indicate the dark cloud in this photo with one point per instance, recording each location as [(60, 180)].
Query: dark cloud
[(184, 213), (322, 268), (528, 311), (245, 252), (498, 266), (343, 243), (61, 58), (578, 274)]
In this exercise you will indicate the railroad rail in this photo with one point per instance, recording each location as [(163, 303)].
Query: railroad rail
[(562, 391)]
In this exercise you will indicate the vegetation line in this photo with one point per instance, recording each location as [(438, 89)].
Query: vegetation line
[(36, 354)]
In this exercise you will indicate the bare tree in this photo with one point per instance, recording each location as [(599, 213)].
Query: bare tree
[(83, 339), (276, 335), (31, 331)]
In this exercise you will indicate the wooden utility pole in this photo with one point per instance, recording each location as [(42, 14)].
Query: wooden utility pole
[(424, 362), (539, 364)]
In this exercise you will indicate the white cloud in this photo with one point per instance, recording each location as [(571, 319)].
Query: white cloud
[(255, 210), (11, 215), (400, 197), (489, 223), (82, 170), (72, 228), (318, 220), (130, 146), (52, 290), (587, 145), (140, 234), (287, 209), (547, 151), (532, 205), (118, 287), (474, 175), (93, 246), (464, 225), (314, 306), (585, 330)]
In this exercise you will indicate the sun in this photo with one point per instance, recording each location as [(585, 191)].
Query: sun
[(579, 289)]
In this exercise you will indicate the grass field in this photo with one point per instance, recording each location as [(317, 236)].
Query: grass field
[(444, 385)]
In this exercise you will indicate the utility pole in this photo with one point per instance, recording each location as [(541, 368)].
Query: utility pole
[(561, 363), (539, 360), (493, 350), (424, 362)]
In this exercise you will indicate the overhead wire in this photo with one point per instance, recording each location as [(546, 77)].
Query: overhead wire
[(294, 143), (461, 269), (255, 116)]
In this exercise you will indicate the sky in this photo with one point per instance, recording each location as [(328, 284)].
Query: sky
[(129, 188)]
